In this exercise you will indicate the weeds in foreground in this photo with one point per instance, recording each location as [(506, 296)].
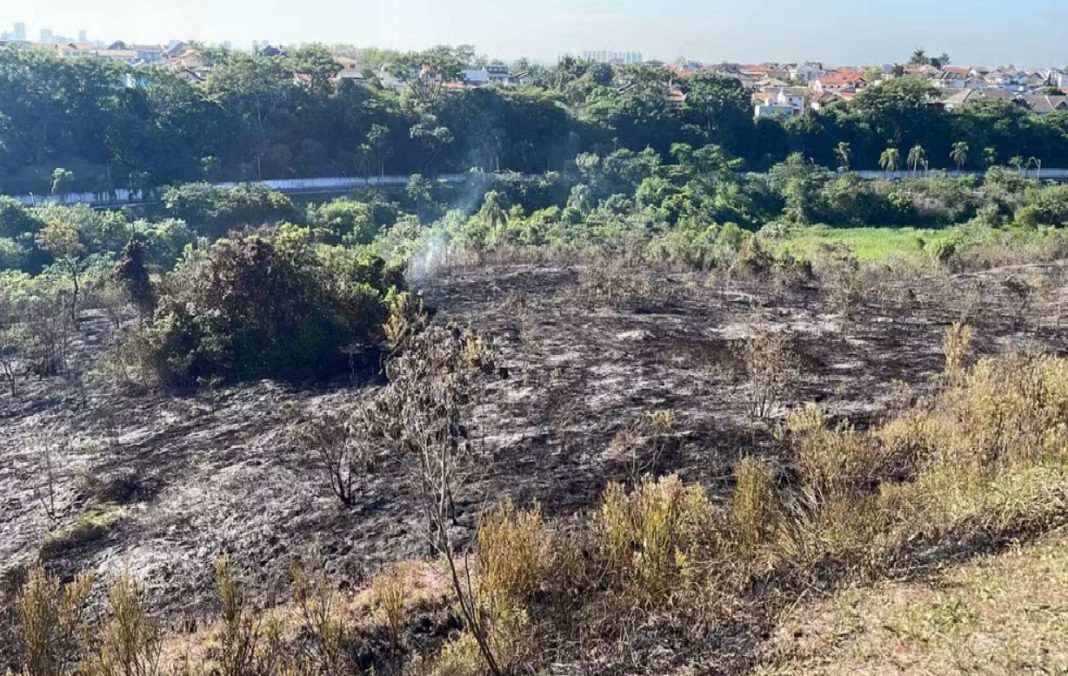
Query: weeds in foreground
[(513, 551), (389, 590), (130, 642), (957, 347), (51, 617), (755, 508)]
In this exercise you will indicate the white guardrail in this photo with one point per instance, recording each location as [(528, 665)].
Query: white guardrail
[(294, 186), (309, 186)]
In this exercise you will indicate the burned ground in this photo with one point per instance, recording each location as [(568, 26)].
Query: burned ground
[(162, 484)]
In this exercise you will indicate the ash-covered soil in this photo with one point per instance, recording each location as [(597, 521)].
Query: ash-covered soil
[(186, 479)]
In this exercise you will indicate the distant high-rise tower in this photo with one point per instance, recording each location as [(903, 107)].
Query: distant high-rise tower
[(47, 35), (605, 56), (20, 30), (83, 36)]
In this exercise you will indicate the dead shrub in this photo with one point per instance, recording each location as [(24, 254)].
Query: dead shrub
[(434, 375), (407, 315), (241, 648), (957, 346), (841, 280), (342, 454), (507, 633), (753, 260), (1020, 293), (832, 462), (611, 283), (770, 363), (643, 443), (48, 475)]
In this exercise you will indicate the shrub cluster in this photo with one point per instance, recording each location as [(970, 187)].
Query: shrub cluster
[(265, 304)]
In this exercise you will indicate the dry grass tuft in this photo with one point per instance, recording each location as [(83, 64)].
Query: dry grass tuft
[(51, 618), (651, 536), (513, 553), (755, 504)]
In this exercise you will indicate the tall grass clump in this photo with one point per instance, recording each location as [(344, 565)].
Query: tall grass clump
[(130, 642), (51, 618), (652, 535), (513, 553), (754, 505)]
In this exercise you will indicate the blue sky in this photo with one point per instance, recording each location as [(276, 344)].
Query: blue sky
[(987, 32)]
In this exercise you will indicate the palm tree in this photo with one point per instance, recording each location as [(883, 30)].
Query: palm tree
[(1038, 166), (990, 156), (959, 154), (1017, 163), (916, 157), (890, 159), (493, 210), (843, 153)]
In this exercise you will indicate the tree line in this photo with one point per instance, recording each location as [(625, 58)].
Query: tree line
[(255, 117)]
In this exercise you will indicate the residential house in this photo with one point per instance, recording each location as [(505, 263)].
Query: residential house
[(1043, 104), (142, 53), (795, 97), (522, 79), (806, 72), (675, 95), (957, 77), (497, 73), (148, 53), (349, 75), (838, 82), (1040, 104), (476, 77), (820, 100)]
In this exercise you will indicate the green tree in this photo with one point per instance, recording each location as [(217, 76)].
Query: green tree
[(579, 199), (62, 179), (990, 156), (62, 241), (420, 191)]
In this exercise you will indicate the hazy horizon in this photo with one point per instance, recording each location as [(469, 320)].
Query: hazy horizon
[(1031, 32)]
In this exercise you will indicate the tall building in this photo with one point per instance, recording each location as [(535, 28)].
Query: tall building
[(605, 56), (20, 31), (83, 36), (47, 35)]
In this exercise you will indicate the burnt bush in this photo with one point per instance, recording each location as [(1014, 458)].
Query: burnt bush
[(265, 304)]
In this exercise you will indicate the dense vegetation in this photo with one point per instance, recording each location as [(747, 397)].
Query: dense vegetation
[(111, 126)]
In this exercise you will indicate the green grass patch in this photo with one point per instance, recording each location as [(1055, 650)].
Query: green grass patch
[(90, 526), (867, 244)]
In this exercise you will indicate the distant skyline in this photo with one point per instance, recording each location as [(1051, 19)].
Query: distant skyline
[(973, 32)]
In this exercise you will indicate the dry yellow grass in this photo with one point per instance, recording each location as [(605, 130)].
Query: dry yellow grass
[(1005, 613)]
